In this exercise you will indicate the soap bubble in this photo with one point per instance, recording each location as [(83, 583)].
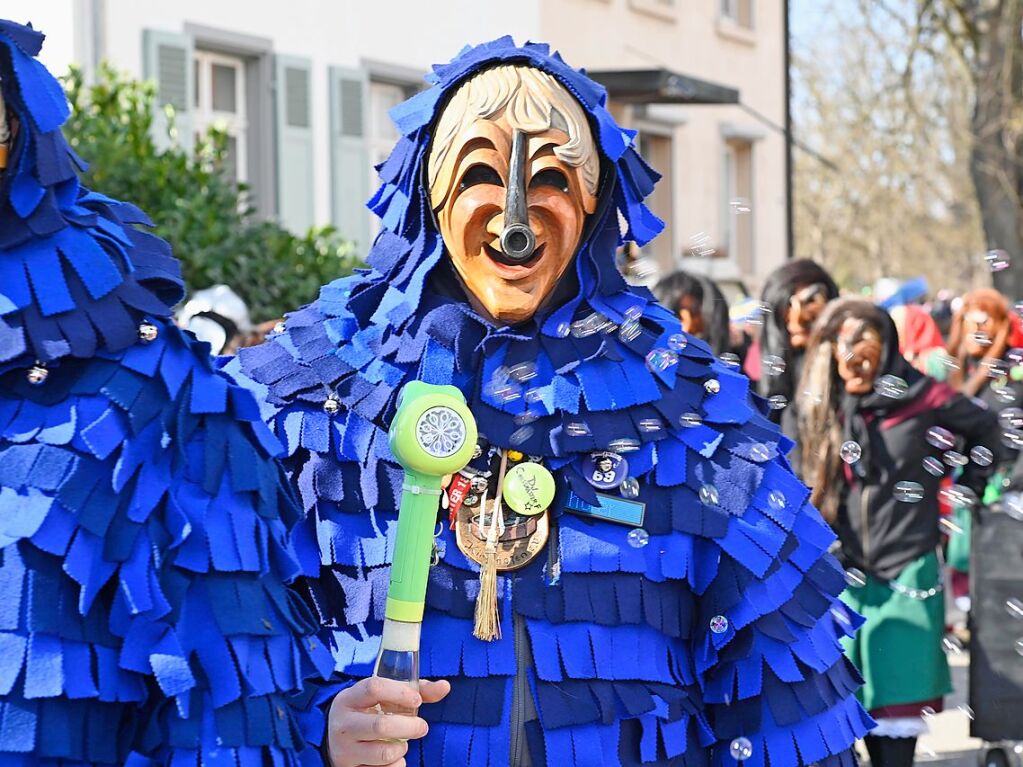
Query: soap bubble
[(948, 526), (996, 369), (623, 445), (777, 402), (773, 365), (563, 330), (709, 495), (1013, 439), (946, 360), (891, 386), (577, 429), (997, 260), (1011, 418), (689, 420), (855, 578), (739, 205), (634, 312), (981, 339), (740, 748), (776, 499), (1015, 355), (731, 359), (1014, 607), (589, 325), (964, 708), (699, 245), (955, 458), (908, 492), (638, 538), (649, 425), (1012, 505), (981, 455), (759, 452), (959, 497), (661, 359), (629, 487), (934, 466), (521, 435), (927, 712), (719, 624), (1004, 394), (850, 451), (941, 438), (952, 645), (676, 342), (526, 416), (630, 330), (1018, 647), (524, 371)]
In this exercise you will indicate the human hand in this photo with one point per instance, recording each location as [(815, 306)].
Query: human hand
[(358, 735)]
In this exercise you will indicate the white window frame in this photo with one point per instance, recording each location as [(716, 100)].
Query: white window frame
[(732, 10), (234, 124)]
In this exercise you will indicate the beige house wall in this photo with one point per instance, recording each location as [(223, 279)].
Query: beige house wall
[(690, 37)]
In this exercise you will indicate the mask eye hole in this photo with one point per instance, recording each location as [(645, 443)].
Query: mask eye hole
[(551, 177), (479, 174)]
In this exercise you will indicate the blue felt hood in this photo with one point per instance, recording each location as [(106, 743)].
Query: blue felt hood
[(402, 202), (76, 276)]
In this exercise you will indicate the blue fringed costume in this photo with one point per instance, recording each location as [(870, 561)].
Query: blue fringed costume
[(144, 613), (717, 640)]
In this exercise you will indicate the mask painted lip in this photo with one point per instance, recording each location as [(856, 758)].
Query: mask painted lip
[(514, 270)]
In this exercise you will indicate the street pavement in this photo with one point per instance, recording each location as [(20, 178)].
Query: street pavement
[(948, 744)]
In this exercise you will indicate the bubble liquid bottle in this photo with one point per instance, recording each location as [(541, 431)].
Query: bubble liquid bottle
[(433, 434)]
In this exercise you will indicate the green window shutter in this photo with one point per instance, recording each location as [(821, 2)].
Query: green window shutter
[(168, 59), (349, 155), (293, 95)]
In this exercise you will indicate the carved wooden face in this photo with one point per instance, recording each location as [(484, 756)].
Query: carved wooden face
[(805, 306), (858, 356), (469, 195)]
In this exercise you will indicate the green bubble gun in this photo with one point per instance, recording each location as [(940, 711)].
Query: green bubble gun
[(433, 434)]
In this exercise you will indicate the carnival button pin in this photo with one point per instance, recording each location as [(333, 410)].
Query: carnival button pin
[(528, 489), (605, 470)]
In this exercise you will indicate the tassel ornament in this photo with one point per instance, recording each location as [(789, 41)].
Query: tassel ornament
[(487, 626)]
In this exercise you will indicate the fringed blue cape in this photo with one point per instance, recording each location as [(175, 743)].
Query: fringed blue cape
[(144, 613), (627, 668)]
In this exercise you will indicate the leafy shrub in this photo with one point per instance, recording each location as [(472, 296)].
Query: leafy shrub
[(196, 207)]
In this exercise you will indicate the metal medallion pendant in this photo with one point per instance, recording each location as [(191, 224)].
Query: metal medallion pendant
[(521, 540)]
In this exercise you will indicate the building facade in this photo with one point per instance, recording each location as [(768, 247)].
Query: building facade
[(303, 91)]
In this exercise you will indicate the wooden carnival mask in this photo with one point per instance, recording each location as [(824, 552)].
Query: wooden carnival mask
[(513, 174), (858, 355)]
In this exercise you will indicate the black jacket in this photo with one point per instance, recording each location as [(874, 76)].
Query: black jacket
[(880, 534)]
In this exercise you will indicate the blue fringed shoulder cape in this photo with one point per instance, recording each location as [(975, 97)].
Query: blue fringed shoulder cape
[(725, 626), (144, 613)]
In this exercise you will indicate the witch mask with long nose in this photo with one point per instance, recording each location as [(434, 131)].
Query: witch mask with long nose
[(513, 172)]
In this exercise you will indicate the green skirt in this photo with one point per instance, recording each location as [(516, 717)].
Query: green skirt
[(898, 649)]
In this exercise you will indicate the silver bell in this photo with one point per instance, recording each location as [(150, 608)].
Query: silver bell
[(712, 386), (331, 405), (148, 332), (36, 375)]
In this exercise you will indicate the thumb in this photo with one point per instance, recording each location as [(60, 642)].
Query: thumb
[(432, 692)]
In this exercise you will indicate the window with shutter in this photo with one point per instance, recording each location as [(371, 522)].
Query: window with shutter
[(350, 157), (167, 59), (295, 168)]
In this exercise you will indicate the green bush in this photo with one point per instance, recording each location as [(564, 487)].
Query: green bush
[(205, 216)]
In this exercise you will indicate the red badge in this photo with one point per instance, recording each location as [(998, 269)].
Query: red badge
[(457, 490)]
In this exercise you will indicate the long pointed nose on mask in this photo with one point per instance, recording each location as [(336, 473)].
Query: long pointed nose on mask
[(517, 240)]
